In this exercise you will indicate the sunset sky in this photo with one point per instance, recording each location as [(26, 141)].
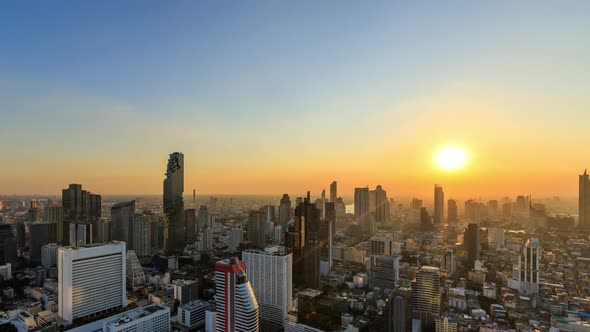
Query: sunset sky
[(277, 96)]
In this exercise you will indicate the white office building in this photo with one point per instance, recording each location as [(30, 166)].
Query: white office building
[(192, 314), (525, 275), (236, 236), (91, 279), (151, 318), (270, 272)]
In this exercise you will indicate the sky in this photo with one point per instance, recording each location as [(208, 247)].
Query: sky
[(265, 97)]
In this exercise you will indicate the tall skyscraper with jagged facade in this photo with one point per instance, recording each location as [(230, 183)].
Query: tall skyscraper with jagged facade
[(174, 203)]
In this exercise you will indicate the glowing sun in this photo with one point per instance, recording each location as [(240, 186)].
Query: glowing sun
[(451, 158)]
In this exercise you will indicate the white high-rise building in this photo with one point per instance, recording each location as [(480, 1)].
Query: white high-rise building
[(151, 318), (270, 272), (525, 275), (236, 305), (91, 279), (49, 254)]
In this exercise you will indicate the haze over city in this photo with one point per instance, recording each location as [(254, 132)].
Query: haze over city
[(269, 97)]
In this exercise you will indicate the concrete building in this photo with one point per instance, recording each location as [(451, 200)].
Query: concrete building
[(361, 209), (91, 279), (49, 254), (174, 203), (383, 271), (426, 293), (525, 275), (151, 318), (270, 273), (185, 291), (192, 315)]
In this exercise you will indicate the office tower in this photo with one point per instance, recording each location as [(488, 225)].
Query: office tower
[(381, 244), (192, 315), (493, 208), (380, 207), (425, 220), (205, 239), (472, 244), (34, 214), (267, 213), (416, 203), (383, 271), (475, 211), (452, 214), (439, 204), (174, 203), (101, 230), (80, 204), (80, 233), (91, 279), (584, 201), (303, 241), (340, 211), (333, 191), (398, 310), (204, 218), (328, 229), (447, 263), (507, 209), (285, 212), (20, 234), (142, 244), (185, 291), (7, 245), (40, 234), (256, 229), (361, 209), (5, 273), (496, 238), (426, 295), (49, 255), (236, 304), (151, 318), (134, 273), (525, 275), (236, 236), (190, 219), (270, 273), (121, 228)]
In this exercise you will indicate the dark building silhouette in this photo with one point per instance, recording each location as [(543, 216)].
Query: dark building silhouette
[(7, 245), (255, 229), (78, 205), (472, 244), (452, 214), (439, 204), (425, 220), (398, 310), (303, 241), (190, 218), (174, 203), (121, 228), (584, 201), (285, 212), (40, 234)]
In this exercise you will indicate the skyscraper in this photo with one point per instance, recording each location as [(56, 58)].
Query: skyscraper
[(426, 295), (174, 202), (525, 275), (236, 304), (91, 279), (203, 217), (472, 244), (383, 271), (79, 205), (142, 239), (7, 245), (439, 204), (398, 310), (333, 191), (270, 273), (361, 209), (285, 212), (40, 234), (381, 205), (303, 241), (256, 229), (452, 214), (121, 228), (56, 213), (584, 201), (190, 218)]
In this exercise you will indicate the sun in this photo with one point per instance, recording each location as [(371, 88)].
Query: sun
[(451, 158)]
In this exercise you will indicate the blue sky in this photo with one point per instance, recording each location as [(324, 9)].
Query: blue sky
[(242, 78)]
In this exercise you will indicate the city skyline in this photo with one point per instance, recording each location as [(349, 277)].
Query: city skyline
[(386, 90)]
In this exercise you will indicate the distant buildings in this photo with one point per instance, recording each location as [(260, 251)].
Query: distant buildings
[(285, 212), (192, 315), (121, 228), (49, 255), (271, 275), (190, 218), (236, 304), (174, 203), (91, 279), (7, 245), (333, 191), (40, 234), (256, 229), (78, 205), (439, 204), (236, 237)]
